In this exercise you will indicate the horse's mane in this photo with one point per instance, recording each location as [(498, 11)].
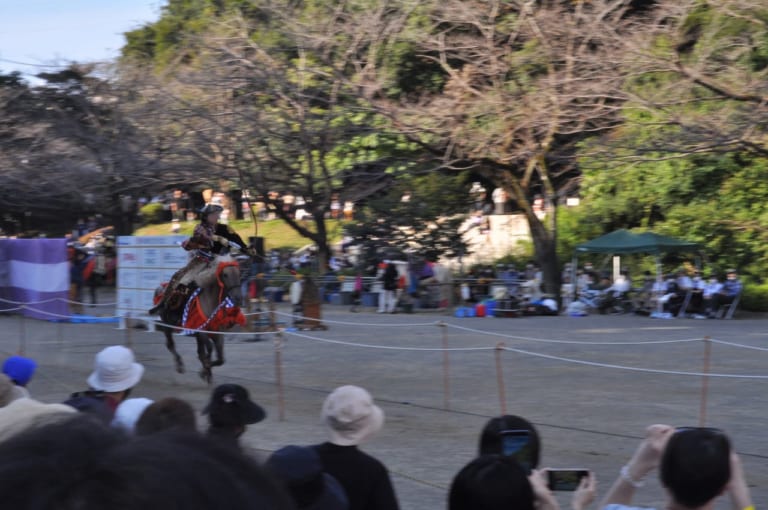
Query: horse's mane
[(207, 277)]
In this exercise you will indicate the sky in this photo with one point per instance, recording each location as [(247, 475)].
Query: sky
[(43, 33)]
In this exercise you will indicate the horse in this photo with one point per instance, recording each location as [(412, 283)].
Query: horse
[(213, 307)]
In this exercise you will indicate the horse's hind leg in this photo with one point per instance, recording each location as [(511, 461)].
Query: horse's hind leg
[(218, 345), (204, 349), (171, 345)]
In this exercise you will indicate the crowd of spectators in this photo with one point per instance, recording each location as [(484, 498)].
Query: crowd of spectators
[(103, 448)]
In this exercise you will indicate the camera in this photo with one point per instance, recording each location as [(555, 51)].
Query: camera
[(565, 479)]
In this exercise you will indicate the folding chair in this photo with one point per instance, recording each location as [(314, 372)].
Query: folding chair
[(726, 311)]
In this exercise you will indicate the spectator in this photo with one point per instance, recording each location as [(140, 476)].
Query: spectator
[(491, 437), (80, 465), (300, 470), (728, 292), (128, 413), (114, 376), (20, 371), (21, 414), (388, 296), (9, 391), (77, 279), (696, 466), (351, 417), (496, 482), (230, 411), (167, 414)]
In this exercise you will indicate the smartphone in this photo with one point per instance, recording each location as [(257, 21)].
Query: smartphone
[(517, 444), (565, 479)]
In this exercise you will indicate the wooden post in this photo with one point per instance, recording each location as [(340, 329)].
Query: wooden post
[(128, 327), (22, 332), (705, 381), (500, 378), (446, 368), (279, 375)]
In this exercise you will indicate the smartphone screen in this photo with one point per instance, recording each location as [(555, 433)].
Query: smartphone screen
[(565, 479), (516, 444)]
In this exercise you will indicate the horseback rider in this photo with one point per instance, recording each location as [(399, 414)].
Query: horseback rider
[(209, 239)]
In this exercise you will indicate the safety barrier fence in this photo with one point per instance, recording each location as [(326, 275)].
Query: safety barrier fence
[(280, 331)]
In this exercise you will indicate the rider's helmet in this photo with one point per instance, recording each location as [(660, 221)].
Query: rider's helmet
[(208, 209)]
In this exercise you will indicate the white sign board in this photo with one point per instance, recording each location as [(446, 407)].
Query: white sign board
[(143, 263)]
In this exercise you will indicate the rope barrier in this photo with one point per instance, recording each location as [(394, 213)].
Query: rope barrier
[(633, 369), (386, 347), (573, 342), (734, 344), (531, 353), (55, 299), (409, 325)]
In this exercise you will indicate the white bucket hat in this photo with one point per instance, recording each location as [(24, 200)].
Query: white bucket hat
[(115, 369), (351, 416)]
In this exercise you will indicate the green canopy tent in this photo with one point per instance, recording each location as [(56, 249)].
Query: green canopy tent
[(623, 241)]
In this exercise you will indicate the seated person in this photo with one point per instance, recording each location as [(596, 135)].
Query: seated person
[(696, 465), (730, 289), (673, 296), (696, 304), (615, 293)]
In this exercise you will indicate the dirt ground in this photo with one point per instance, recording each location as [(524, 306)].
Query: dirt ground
[(589, 384)]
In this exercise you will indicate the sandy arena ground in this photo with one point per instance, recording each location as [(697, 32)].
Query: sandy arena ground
[(590, 413)]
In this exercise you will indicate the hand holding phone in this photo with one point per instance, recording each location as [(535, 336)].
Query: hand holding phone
[(565, 479)]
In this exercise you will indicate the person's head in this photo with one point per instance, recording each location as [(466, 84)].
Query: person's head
[(491, 438), (167, 414), (491, 482), (19, 369), (128, 413), (232, 408), (79, 464), (115, 371), (696, 466), (211, 213), (732, 274), (24, 413), (350, 415), (8, 391), (300, 470)]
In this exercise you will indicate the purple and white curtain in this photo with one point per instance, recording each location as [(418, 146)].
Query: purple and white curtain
[(34, 277)]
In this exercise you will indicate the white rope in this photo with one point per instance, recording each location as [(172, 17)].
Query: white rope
[(386, 347), (409, 325), (633, 369), (534, 354), (52, 300), (723, 342), (574, 342)]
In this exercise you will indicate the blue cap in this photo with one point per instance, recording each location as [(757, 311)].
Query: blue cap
[(19, 369)]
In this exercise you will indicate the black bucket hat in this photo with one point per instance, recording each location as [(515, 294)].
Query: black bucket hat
[(231, 405)]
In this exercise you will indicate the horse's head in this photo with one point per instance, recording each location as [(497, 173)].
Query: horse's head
[(228, 279)]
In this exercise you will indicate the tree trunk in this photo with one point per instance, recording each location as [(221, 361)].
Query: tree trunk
[(545, 252)]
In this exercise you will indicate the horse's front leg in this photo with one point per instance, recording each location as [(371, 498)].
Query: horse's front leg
[(218, 345), (204, 349), (171, 346)]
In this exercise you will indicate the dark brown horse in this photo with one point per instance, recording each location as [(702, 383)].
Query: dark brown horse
[(212, 309)]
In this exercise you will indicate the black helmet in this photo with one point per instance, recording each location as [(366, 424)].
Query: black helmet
[(210, 208)]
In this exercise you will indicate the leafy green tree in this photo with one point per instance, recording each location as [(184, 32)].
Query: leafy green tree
[(419, 217)]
